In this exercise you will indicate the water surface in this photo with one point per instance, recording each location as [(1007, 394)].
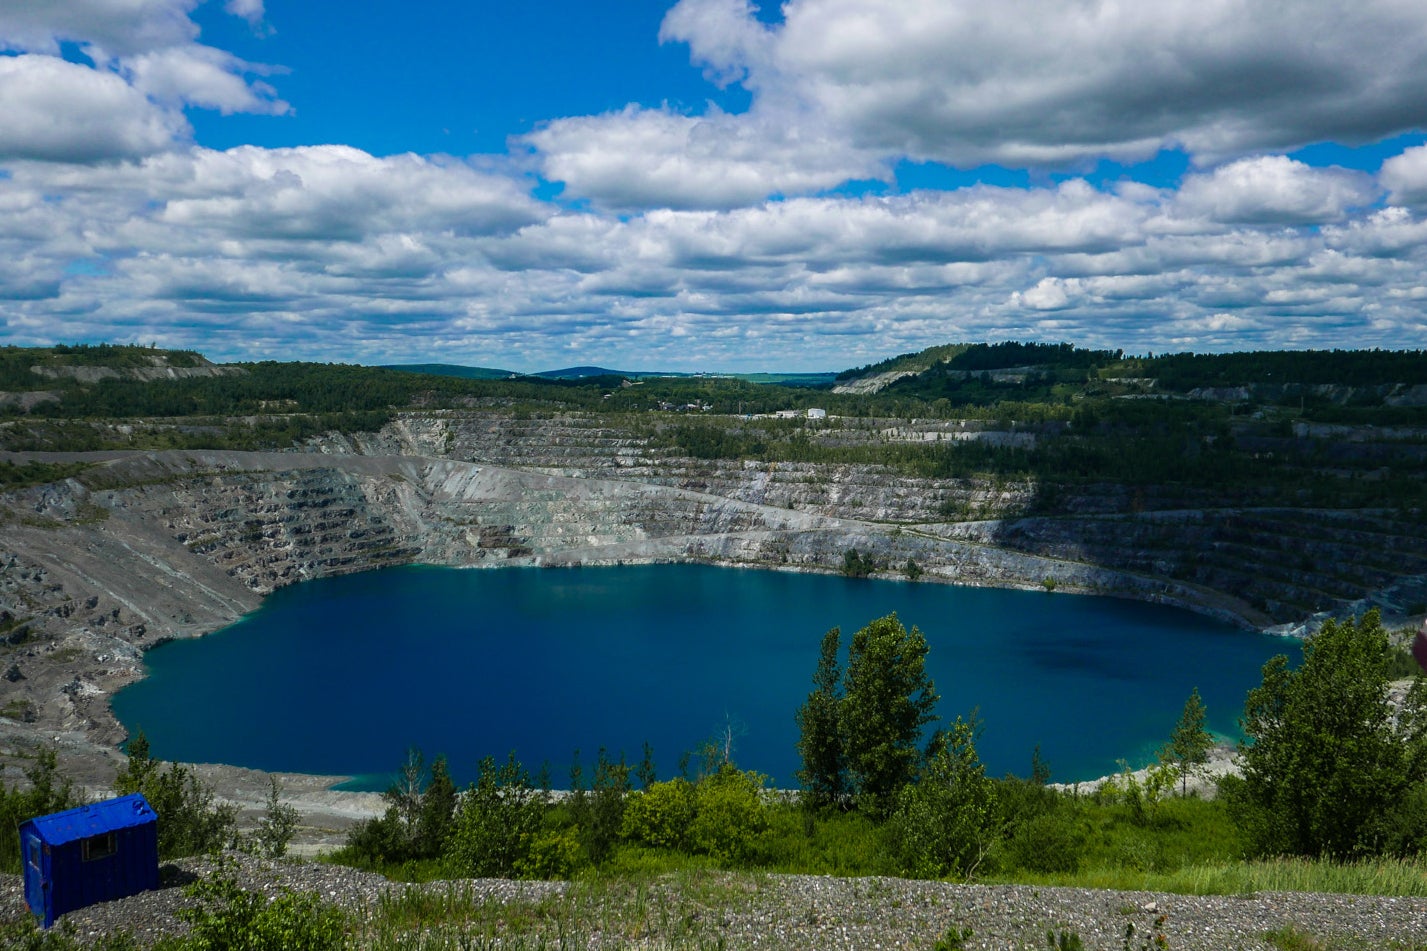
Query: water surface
[(342, 675)]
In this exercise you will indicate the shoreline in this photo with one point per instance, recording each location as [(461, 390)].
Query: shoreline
[(153, 546)]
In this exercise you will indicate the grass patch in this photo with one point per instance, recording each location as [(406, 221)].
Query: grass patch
[(674, 911), (18, 476), (1402, 878)]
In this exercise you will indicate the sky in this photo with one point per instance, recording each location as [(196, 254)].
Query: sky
[(710, 185)]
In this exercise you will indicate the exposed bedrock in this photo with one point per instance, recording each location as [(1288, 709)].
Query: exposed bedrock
[(145, 547)]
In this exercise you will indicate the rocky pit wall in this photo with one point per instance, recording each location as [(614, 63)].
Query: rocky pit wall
[(150, 546)]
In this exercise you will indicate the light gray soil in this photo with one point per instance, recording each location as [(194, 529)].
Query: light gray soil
[(806, 912)]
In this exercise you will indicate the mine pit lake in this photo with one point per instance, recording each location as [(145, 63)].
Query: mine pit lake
[(341, 676)]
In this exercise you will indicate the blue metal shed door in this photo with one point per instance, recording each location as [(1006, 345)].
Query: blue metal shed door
[(39, 892)]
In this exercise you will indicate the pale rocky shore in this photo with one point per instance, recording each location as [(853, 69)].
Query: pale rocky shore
[(795, 912)]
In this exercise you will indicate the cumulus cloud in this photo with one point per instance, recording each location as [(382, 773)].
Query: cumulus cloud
[(842, 89), (202, 76), (1405, 176), (57, 111), (337, 193), (331, 253), (1044, 82), (117, 27), (724, 36), (146, 67), (1275, 189), (250, 10), (640, 158)]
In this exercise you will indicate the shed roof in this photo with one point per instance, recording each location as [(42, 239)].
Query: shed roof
[(96, 818)]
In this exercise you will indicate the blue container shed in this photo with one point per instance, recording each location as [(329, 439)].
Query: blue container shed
[(82, 856)]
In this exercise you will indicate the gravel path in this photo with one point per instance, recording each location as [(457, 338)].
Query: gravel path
[(810, 912)]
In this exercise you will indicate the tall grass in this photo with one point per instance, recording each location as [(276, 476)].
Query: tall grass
[(1403, 878), (675, 912)]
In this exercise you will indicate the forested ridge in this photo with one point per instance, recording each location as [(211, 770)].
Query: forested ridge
[(1082, 416)]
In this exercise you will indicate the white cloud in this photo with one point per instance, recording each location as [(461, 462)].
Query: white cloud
[(337, 193), (1050, 293), (335, 254), (146, 67), (58, 111), (201, 76), (640, 158), (1275, 189), (724, 35), (1045, 82), (118, 27), (250, 10), (1405, 176)]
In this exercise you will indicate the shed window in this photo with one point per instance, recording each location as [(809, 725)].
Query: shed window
[(34, 853), (98, 847)]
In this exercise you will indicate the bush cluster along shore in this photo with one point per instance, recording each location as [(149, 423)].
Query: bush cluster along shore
[(1332, 797)]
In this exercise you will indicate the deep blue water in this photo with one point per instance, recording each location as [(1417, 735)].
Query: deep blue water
[(341, 676)]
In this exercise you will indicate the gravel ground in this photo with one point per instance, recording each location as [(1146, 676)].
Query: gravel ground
[(809, 912)]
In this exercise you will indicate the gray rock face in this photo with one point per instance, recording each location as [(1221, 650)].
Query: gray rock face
[(150, 546)]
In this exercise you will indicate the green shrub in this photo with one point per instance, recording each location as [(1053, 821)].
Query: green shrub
[(1047, 843), (661, 815), (228, 918), (945, 823), (552, 854), (731, 820), (497, 822), (189, 822), (49, 792), (600, 814)]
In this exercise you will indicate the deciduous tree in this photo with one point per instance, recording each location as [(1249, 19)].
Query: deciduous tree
[(1328, 764), (888, 700)]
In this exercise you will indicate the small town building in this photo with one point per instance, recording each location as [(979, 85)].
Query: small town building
[(89, 854), (817, 413)]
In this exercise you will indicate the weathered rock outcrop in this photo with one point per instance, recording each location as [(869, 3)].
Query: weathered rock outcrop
[(151, 546), (147, 546)]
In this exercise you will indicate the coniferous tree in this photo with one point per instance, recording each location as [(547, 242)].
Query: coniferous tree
[(824, 773), (438, 809), (1190, 743), (646, 773)]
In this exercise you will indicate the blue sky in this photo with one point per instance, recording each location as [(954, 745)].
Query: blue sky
[(706, 185)]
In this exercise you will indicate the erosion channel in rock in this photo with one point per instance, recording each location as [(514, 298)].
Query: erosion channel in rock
[(340, 675)]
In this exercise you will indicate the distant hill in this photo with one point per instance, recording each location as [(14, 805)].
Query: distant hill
[(809, 380), (450, 369), (576, 373), (983, 374)]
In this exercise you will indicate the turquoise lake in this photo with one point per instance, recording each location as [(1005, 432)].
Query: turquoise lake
[(341, 676)]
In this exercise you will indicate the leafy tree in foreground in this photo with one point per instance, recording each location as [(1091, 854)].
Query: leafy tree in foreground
[(888, 699), (496, 823), (824, 773), (189, 821), (1328, 768), (1190, 743), (49, 791), (946, 823)]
